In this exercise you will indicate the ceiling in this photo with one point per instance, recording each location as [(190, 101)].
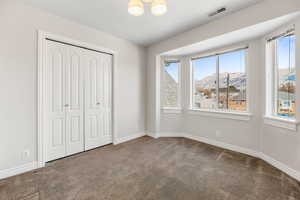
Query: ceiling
[(111, 16), (245, 34)]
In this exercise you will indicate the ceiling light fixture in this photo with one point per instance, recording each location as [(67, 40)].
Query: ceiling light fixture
[(158, 7), (136, 7), (147, 1)]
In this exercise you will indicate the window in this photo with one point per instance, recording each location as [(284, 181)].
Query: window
[(219, 82), (283, 83), (171, 84)]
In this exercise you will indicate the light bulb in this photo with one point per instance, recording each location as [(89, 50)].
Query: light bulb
[(159, 7), (147, 1), (135, 7)]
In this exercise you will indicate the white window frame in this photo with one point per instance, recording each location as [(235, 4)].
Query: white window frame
[(178, 108), (221, 113), (270, 117)]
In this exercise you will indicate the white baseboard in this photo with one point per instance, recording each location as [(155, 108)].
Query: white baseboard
[(153, 135), (279, 165), (34, 165), (223, 145), (18, 170), (171, 134), (283, 167), (128, 138)]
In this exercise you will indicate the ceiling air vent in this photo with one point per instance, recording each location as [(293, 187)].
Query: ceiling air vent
[(217, 12)]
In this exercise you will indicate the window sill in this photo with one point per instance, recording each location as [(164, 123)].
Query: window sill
[(242, 116), (281, 122), (172, 110)]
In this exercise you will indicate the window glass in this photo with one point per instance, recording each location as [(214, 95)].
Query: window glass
[(232, 81), (285, 77), (204, 76), (171, 84), (220, 82)]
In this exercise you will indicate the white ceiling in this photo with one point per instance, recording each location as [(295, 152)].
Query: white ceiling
[(245, 34), (111, 16)]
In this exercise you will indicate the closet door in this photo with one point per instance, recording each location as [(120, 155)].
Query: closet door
[(55, 100), (97, 99), (74, 101)]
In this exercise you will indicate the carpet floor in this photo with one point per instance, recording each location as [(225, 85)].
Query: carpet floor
[(153, 169)]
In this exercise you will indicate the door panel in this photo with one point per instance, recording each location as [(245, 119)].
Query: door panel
[(75, 129), (55, 111), (97, 96), (74, 101), (92, 126), (57, 131)]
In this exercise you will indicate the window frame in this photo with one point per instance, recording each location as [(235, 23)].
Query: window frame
[(178, 108), (271, 83), (220, 111)]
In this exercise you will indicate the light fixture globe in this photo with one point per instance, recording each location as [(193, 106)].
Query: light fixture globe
[(135, 7), (159, 7)]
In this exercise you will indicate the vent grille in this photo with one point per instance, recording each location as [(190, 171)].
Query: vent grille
[(221, 10)]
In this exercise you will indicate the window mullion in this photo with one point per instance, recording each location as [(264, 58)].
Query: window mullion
[(218, 81), (192, 78), (275, 86)]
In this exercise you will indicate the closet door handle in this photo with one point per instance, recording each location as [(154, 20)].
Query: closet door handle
[(66, 105), (98, 103)]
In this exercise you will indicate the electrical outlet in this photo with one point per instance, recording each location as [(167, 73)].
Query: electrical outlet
[(26, 154)]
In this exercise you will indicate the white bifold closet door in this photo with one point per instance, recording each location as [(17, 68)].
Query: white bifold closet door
[(97, 99), (77, 103)]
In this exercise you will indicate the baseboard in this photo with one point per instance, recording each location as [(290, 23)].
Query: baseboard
[(283, 167), (18, 170), (223, 145), (279, 165), (34, 165), (128, 138), (153, 135), (171, 134)]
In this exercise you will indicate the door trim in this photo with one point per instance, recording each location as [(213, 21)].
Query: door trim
[(42, 37)]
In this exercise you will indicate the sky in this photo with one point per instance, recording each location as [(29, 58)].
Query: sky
[(284, 45), (234, 61), (173, 70), (230, 62)]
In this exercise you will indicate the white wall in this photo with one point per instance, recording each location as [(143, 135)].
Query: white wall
[(18, 78), (279, 144)]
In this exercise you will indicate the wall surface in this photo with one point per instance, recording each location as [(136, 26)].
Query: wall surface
[(281, 144), (278, 144), (18, 78)]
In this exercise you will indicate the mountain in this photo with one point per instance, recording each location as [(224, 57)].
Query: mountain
[(237, 80)]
